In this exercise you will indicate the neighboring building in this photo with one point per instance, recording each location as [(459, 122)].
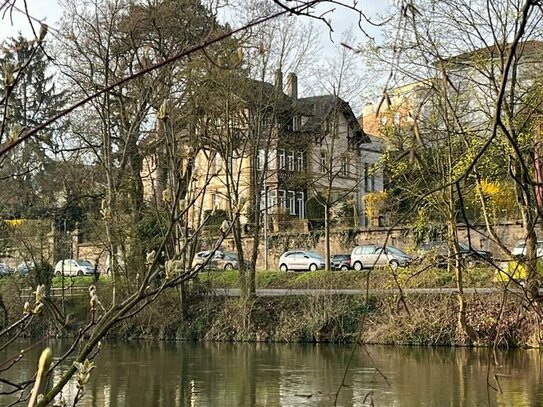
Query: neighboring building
[(291, 150), (460, 99)]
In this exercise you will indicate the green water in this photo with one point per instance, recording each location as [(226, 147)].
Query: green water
[(221, 374)]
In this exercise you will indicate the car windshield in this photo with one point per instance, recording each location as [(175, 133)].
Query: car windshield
[(397, 252), (84, 263), (314, 255), (233, 256), (463, 246)]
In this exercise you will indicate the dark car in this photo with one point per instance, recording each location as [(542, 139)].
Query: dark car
[(437, 252), (340, 262)]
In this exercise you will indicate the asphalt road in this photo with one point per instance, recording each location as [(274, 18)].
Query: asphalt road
[(281, 292)]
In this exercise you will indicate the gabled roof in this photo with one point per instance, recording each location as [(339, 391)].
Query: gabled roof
[(262, 93), (317, 109), (525, 48)]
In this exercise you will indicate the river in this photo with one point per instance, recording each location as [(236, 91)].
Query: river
[(169, 374)]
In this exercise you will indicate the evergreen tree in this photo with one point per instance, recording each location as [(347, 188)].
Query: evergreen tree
[(33, 99)]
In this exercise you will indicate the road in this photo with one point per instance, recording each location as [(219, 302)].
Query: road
[(281, 292)]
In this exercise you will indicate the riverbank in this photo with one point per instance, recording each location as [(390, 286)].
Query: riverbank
[(415, 319)]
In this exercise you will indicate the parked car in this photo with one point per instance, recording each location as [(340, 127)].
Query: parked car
[(220, 260), (520, 248), (515, 268), (369, 256), (73, 267), (5, 270), (340, 262), (438, 251), (25, 267), (301, 260)]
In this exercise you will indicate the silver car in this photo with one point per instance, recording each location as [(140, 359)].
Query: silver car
[(220, 260), (301, 260), (369, 256)]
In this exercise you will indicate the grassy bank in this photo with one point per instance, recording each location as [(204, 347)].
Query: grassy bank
[(378, 278), (419, 319)]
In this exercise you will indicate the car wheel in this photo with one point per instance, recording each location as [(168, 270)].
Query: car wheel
[(358, 266), (283, 268), (313, 267), (228, 267), (58, 273), (344, 268), (79, 273), (394, 264)]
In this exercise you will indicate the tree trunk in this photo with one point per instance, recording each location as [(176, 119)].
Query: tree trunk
[(452, 233), (327, 236)]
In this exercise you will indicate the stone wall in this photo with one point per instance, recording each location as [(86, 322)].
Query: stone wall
[(343, 241)]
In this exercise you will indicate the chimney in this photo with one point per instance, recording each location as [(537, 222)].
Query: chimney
[(292, 85), (278, 80)]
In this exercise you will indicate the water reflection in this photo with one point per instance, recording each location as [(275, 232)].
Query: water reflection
[(219, 374)]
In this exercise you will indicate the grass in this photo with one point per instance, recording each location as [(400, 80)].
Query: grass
[(377, 278), (413, 277), (76, 281)]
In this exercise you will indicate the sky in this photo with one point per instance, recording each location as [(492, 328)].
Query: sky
[(49, 11)]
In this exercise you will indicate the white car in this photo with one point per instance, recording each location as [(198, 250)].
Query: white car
[(301, 260), (72, 267), (520, 248)]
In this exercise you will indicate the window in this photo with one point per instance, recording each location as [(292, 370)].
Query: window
[(372, 178), (281, 201), (301, 206), (300, 161), (281, 154), (366, 177), (217, 162), (215, 199), (290, 160), (345, 166), (291, 201), (263, 199), (272, 198), (295, 123), (260, 159), (368, 249), (323, 162)]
